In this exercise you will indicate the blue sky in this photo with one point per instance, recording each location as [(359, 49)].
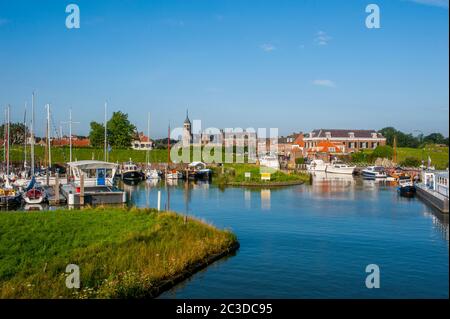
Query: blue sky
[(295, 65)]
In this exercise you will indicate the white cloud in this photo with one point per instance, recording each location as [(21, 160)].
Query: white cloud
[(267, 47), (322, 38), (327, 83), (435, 3)]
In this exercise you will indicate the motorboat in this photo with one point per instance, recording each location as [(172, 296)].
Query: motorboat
[(9, 196), (406, 187), (340, 168), (374, 172), (130, 172), (198, 170), (174, 174), (317, 165)]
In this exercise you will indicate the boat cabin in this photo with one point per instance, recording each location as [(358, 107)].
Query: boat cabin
[(95, 173)]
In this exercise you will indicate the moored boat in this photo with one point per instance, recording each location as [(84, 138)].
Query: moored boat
[(374, 172), (406, 186), (130, 172), (340, 168)]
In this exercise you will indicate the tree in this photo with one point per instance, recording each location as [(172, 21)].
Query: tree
[(120, 130), (435, 138), (16, 133), (382, 152), (411, 162), (403, 140), (97, 134)]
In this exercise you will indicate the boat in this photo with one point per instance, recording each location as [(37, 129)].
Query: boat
[(152, 174), (374, 172), (174, 174), (317, 165), (34, 194), (130, 172), (340, 168), (406, 186), (198, 170), (92, 182)]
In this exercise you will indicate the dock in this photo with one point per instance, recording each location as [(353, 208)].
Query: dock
[(432, 198)]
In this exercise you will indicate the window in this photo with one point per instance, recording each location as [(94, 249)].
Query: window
[(331, 149)]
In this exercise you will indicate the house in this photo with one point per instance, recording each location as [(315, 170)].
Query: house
[(342, 141), (77, 141), (144, 143)]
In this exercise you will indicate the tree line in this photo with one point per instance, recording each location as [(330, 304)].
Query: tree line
[(409, 140)]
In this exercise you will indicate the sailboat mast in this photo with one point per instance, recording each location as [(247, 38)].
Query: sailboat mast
[(25, 137), (32, 135), (168, 146), (70, 134), (148, 136), (105, 137), (48, 137), (7, 141)]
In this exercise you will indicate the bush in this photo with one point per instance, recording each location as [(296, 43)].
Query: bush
[(382, 152), (300, 160), (360, 157), (411, 162)]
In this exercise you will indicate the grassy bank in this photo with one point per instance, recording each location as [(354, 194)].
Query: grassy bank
[(61, 154), (121, 253), (234, 174), (439, 155)]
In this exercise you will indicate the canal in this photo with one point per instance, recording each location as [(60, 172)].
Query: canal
[(313, 241)]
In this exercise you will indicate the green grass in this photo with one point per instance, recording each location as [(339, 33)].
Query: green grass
[(61, 154), (121, 253), (439, 155), (235, 174)]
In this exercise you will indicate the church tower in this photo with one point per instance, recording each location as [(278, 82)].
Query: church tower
[(187, 131)]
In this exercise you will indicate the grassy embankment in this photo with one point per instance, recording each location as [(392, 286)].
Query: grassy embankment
[(234, 174), (439, 155), (121, 253), (61, 154)]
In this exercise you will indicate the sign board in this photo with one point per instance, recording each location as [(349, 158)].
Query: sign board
[(265, 176), (247, 174)]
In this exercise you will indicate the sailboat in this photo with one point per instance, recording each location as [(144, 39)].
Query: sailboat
[(8, 195), (152, 174), (34, 194)]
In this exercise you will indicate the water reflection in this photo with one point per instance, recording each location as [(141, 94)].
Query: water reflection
[(265, 199)]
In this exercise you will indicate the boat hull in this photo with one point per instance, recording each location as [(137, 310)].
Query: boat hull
[(407, 191), (340, 170), (133, 176)]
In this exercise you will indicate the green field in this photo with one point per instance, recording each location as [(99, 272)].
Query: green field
[(61, 154), (439, 155), (120, 253), (234, 174)]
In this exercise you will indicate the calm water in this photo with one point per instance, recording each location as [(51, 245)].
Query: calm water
[(314, 241)]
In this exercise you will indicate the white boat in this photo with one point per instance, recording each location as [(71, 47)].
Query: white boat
[(374, 172), (340, 168), (317, 165), (174, 174), (152, 174), (95, 173), (270, 161)]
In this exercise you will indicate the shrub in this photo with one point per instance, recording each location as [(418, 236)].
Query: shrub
[(411, 162), (382, 152), (300, 160), (360, 157)]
